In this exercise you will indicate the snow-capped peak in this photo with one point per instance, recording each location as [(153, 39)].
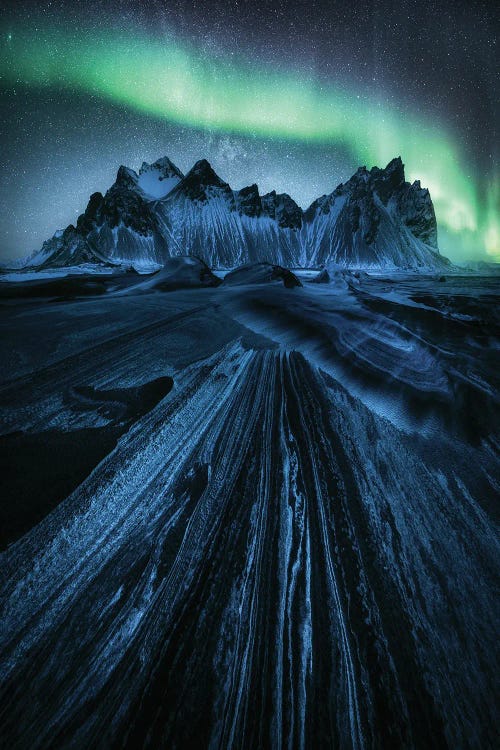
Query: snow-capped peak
[(375, 219), (164, 167), (156, 180)]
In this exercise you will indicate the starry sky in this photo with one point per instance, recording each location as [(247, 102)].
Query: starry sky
[(291, 95)]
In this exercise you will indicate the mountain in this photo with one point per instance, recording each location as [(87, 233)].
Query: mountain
[(375, 220), (159, 178)]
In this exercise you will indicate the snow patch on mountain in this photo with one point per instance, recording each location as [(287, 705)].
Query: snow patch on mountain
[(158, 179)]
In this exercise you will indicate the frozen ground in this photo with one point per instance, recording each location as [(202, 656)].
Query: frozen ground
[(249, 516)]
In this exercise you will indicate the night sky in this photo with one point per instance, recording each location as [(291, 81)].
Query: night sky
[(291, 95)]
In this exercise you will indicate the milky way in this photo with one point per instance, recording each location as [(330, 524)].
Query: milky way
[(173, 80)]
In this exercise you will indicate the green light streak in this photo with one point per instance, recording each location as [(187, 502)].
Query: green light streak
[(167, 79)]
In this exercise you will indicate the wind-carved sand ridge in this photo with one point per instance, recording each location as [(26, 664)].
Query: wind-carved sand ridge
[(265, 557)]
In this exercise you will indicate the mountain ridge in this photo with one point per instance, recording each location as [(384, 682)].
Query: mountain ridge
[(374, 220)]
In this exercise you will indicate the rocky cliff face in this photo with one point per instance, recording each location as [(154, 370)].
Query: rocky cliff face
[(376, 219)]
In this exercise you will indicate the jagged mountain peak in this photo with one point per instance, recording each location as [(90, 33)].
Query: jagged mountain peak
[(393, 174), (375, 219), (126, 177), (280, 198), (248, 200), (158, 179), (206, 173), (387, 181), (252, 189), (201, 182), (85, 220), (396, 167), (282, 207), (361, 172), (164, 166)]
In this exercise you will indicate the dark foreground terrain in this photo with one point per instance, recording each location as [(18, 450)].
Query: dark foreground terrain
[(249, 516)]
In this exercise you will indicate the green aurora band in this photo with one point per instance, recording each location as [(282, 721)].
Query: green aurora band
[(169, 79)]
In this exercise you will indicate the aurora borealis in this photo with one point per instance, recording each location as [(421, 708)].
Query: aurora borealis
[(207, 94), (249, 383)]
